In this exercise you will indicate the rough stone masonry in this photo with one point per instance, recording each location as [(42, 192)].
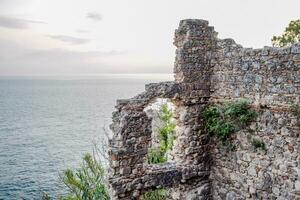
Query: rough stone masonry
[(209, 70)]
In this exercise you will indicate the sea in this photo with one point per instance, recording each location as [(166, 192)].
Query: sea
[(48, 123)]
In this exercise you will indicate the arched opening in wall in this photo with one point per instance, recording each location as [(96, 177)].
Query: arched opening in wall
[(163, 137)]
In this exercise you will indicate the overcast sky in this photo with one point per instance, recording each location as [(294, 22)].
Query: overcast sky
[(67, 37)]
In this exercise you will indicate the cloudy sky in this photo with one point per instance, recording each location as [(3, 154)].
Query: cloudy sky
[(69, 37)]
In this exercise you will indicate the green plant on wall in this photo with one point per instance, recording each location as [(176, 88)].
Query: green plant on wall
[(166, 136), (295, 109), (158, 194), (155, 156), (223, 120), (258, 144)]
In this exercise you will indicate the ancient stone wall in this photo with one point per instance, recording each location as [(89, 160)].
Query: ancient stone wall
[(270, 79), (210, 70)]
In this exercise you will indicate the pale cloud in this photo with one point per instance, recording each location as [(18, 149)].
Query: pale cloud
[(94, 16), (66, 54), (82, 31), (69, 39), (16, 59), (9, 22), (27, 60), (13, 3)]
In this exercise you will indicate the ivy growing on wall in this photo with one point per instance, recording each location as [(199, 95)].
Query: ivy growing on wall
[(166, 137), (223, 120)]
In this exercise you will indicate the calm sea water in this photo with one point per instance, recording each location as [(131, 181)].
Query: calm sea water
[(47, 124)]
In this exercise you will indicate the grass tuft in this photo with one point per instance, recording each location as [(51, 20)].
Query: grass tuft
[(158, 194)]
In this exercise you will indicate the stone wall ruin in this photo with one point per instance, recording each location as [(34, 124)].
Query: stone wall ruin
[(209, 70)]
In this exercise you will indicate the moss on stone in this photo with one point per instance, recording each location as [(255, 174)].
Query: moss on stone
[(158, 194)]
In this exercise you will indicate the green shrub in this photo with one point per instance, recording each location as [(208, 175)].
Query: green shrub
[(87, 182), (165, 114), (239, 112), (84, 183), (223, 120), (158, 194), (167, 131), (258, 144), (155, 156), (166, 137)]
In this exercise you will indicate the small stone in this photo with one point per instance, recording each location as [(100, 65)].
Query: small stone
[(134, 171), (252, 171), (237, 92), (245, 66), (265, 182), (281, 121), (136, 193), (276, 191), (232, 196), (258, 79), (285, 131), (256, 65), (115, 163), (295, 48), (297, 186), (290, 147), (252, 190), (125, 170), (139, 186)]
